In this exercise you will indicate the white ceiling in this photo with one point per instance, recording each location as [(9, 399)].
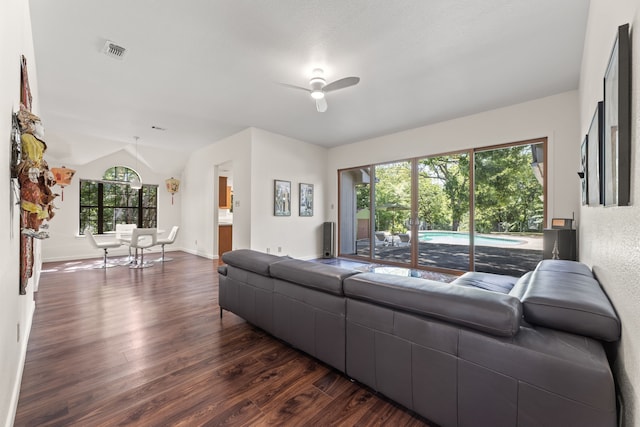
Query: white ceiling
[(206, 69)]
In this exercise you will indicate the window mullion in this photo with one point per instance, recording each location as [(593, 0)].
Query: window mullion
[(100, 208), (140, 207)]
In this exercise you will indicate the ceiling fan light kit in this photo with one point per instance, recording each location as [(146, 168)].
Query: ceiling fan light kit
[(319, 87)]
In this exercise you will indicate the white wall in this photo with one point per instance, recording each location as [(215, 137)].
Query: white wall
[(279, 157), (257, 157), (610, 237), (554, 117), (199, 190), (15, 40), (66, 244)]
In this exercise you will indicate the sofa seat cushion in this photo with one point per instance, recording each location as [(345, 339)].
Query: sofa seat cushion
[(247, 259), (570, 302), (315, 275), (490, 282), (490, 312)]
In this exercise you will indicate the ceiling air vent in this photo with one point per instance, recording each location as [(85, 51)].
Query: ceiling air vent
[(113, 50)]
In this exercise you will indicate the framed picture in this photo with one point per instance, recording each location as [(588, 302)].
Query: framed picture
[(281, 198), (594, 158), (585, 172), (617, 122), (306, 199)]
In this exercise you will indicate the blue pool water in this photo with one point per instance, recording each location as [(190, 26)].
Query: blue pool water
[(462, 238)]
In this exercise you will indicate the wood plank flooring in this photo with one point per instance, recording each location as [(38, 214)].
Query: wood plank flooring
[(148, 348)]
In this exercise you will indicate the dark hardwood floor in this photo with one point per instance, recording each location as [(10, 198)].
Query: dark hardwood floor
[(148, 347)]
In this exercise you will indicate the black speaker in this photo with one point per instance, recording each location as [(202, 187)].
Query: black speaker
[(563, 240), (327, 239)]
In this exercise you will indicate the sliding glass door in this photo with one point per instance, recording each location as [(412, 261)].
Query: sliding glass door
[(392, 209), (509, 208), (443, 212), (476, 210)]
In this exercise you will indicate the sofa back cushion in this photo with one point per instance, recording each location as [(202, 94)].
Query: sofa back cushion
[(251, 260), (488, 281), (564, 295), (315, 275), (490, 312)]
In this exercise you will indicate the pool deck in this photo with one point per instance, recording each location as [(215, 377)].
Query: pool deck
[(509, 259)]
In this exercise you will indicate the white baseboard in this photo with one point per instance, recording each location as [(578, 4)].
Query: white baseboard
[(199, 253), (15, 395)]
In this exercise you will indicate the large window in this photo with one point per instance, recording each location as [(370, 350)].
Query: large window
[(481, 209), (111, 201)]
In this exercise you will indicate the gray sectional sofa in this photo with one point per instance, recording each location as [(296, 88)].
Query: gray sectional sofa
[(484, 350)]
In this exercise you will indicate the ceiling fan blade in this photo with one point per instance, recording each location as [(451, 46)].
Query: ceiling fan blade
[(341, 84), (295, 87), (321, 105)]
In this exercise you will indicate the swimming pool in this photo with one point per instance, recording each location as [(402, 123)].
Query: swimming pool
[(462, 238)]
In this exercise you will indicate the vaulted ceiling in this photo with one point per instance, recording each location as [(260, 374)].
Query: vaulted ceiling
[(202, 70)]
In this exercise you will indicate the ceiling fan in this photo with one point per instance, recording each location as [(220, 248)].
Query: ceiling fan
[(318, 87)]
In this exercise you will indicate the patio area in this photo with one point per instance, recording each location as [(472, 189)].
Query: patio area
[(509, 259)]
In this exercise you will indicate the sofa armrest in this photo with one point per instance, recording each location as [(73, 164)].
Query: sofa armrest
[(222, 269)]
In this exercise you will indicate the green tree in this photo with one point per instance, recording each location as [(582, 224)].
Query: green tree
[(363, 196), (451, 173), (507, 193), (432, 204), (393, 196)]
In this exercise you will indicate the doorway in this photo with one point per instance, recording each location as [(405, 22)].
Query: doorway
[(224, 208)]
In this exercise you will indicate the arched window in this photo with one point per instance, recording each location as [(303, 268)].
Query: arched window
[(120, 173), (110, 201)]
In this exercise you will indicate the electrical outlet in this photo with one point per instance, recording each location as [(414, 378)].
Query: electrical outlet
[(279, 249), (268, 250), (196, 243)]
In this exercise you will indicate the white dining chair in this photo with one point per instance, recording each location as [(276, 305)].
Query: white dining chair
[(142, 238), (104, 245), (123, 231), (167, 241)]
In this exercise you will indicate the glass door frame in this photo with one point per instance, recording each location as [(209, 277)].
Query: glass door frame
[(374, 210), (534, 141)]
